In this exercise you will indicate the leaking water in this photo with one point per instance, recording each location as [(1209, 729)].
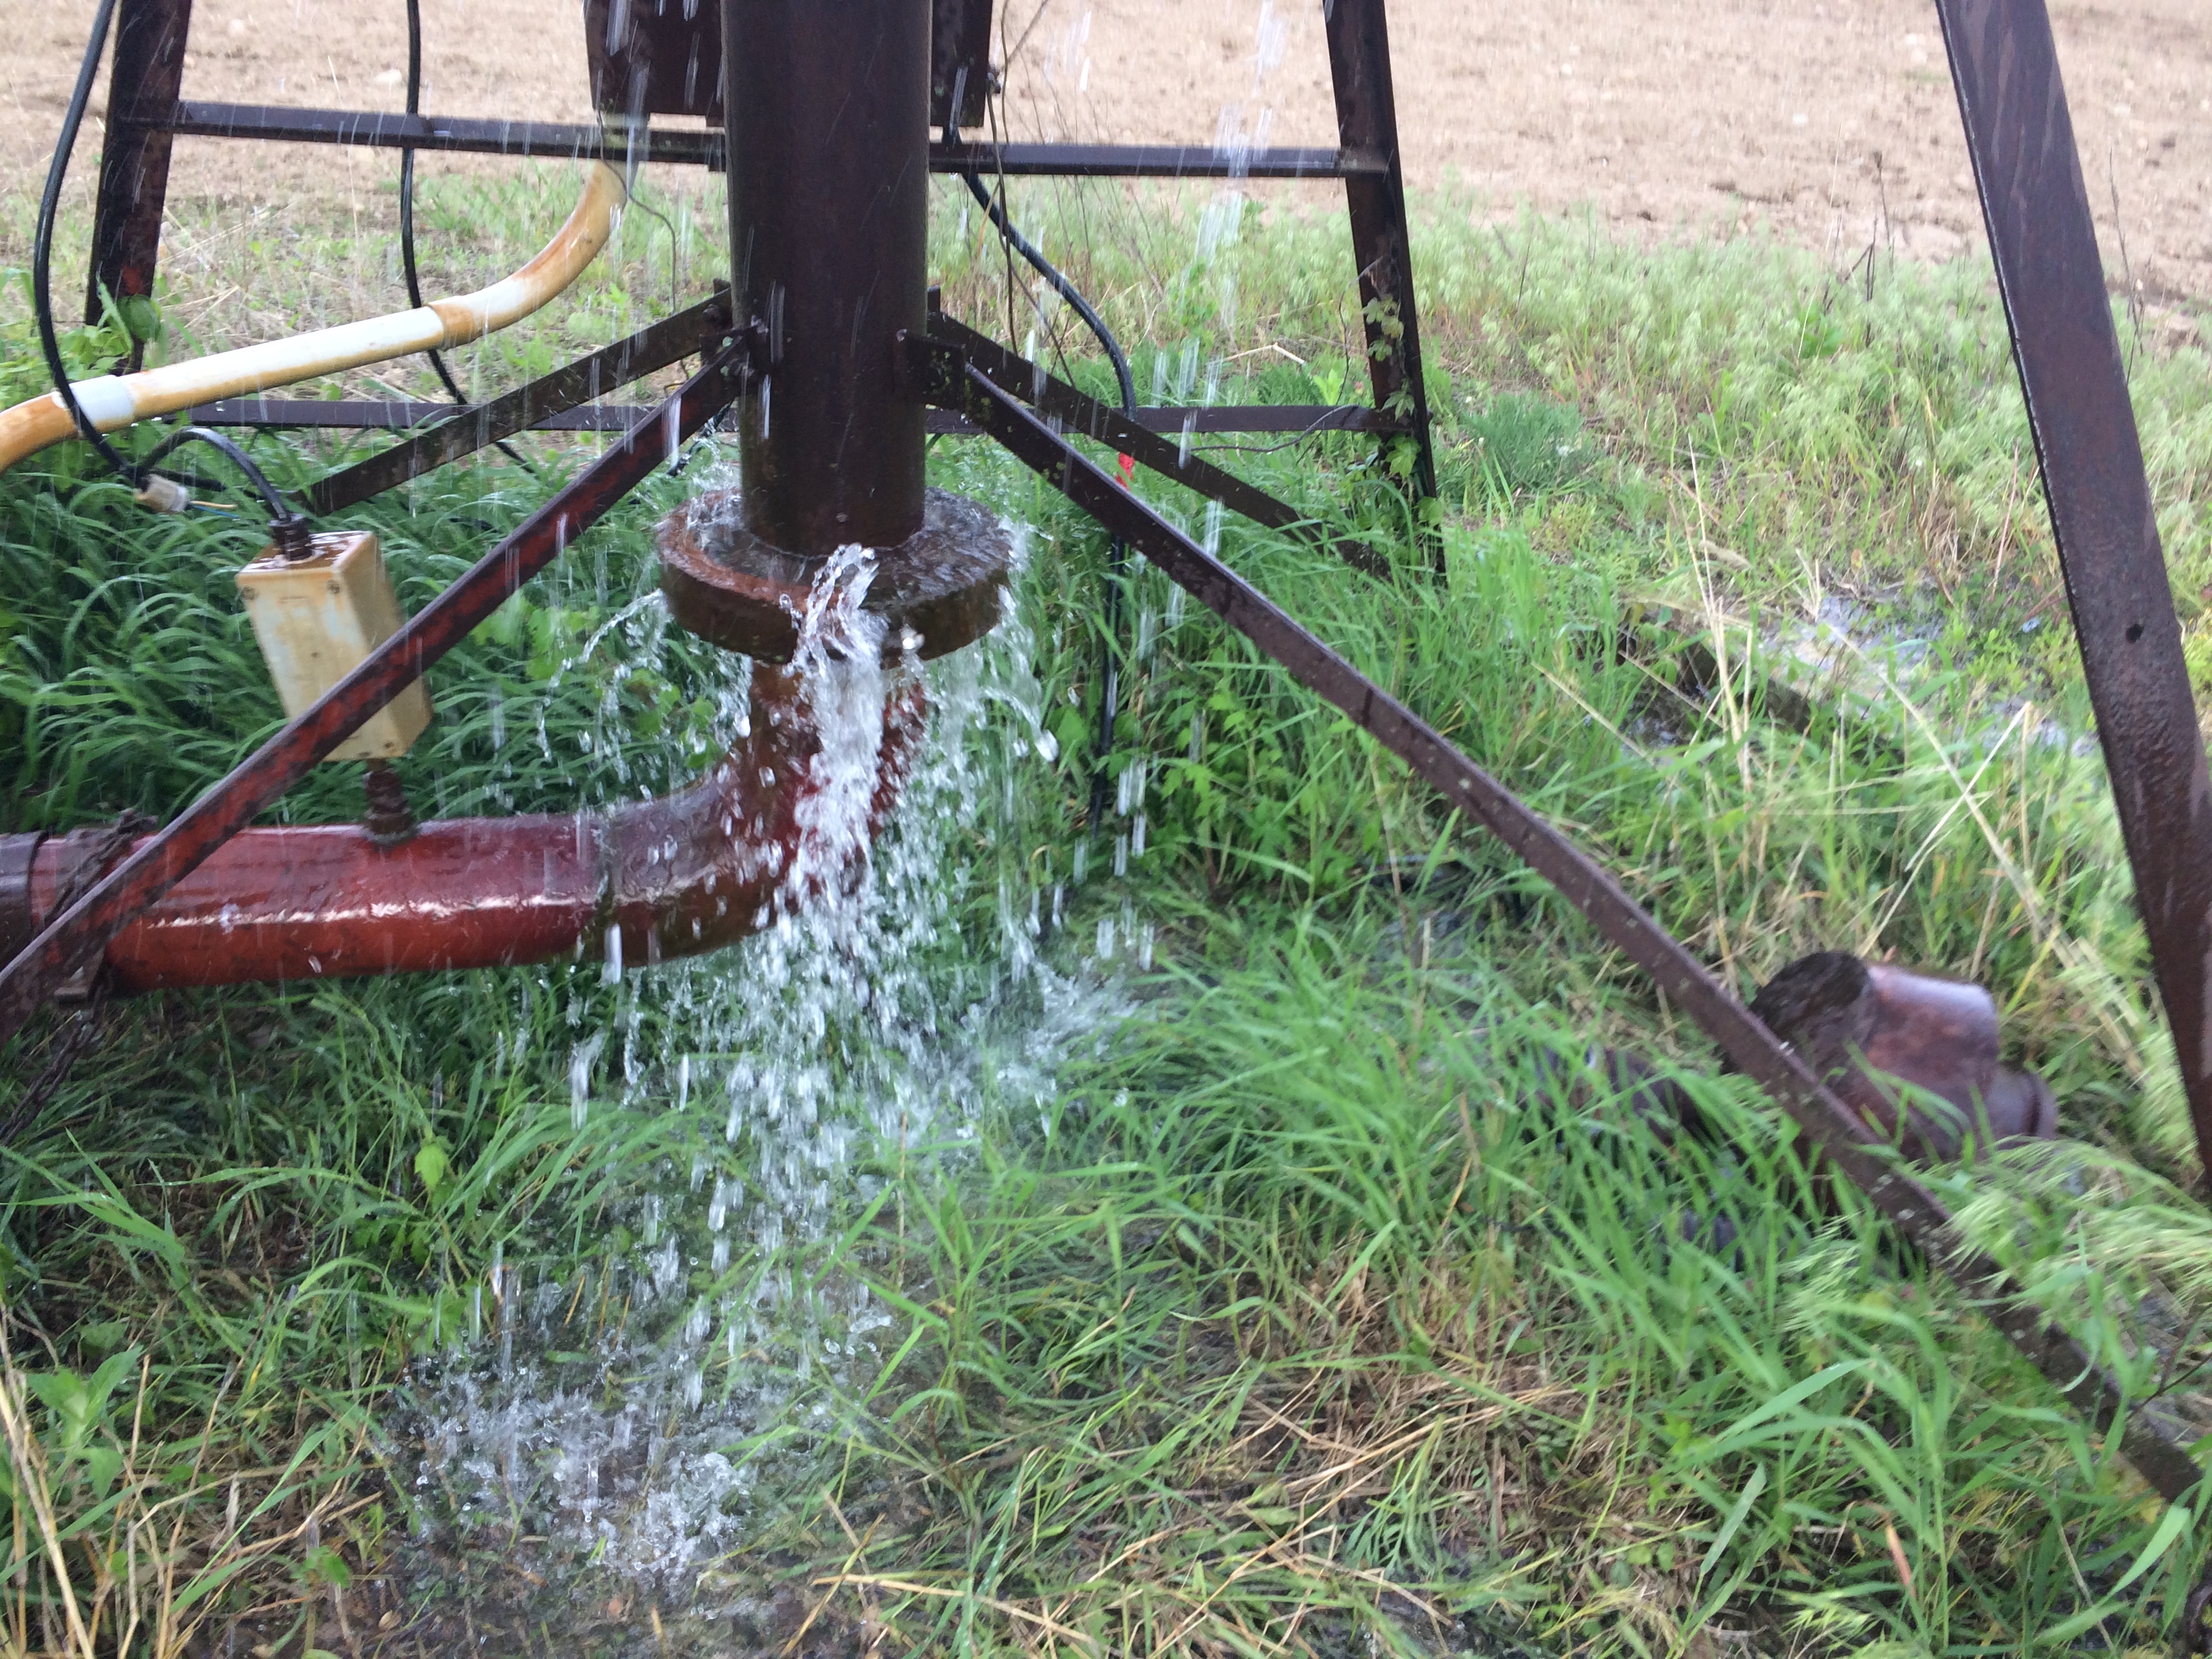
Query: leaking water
[(623, 1420)]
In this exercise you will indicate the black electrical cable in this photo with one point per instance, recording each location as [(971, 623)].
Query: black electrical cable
[(279, 513), (287, 528), (1060, 285), (1117, 555), (407, 217), (42, 248)]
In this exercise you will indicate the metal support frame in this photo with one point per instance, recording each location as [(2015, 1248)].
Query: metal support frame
[(662, 73), (537, 405), (700, 147), (1367, 121), (149, 68), (2028, 172), (403, 414), (946, 376), (2058, 311), (1062, 403)]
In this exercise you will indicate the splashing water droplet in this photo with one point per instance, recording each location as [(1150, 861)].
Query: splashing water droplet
[(580, 1062)]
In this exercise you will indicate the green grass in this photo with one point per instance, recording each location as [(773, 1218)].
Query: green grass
[(1315, 1303)]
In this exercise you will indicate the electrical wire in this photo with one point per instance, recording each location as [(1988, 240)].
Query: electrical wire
[(287, 528), (279, 513), (42, 247), (1060, 285), (1117, 555), (407, 219)]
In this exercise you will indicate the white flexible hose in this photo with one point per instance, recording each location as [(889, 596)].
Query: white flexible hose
[(112, 401)]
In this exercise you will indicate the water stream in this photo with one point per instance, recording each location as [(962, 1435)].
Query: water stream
[(615, 1424)]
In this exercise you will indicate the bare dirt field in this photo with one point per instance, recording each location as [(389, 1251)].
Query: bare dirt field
[(1833, 123)]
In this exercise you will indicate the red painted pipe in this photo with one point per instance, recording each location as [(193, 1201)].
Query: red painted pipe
[(684, 874)]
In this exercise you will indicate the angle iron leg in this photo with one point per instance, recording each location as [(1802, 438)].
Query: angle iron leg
[(2029, 173), (1367, 119), (1585, 884), (134, 162)]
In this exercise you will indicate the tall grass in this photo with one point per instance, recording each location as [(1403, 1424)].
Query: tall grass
[(1330, 1306)]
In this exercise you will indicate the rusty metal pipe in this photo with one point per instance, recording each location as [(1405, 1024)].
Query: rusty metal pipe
[(643, 882), (1865, 1028)]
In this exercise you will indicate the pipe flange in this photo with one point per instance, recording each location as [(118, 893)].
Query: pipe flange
[(937, 591)]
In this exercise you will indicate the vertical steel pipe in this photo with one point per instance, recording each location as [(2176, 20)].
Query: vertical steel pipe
[(829, 118)]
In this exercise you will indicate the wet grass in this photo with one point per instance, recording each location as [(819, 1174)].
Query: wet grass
[(1321, 1307)]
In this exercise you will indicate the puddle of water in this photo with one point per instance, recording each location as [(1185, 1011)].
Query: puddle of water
[(1858, 658)]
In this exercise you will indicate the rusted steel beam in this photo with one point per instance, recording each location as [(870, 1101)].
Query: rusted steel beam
[(1367, 121), (1466, 788), (535, 405), (385, 415), (704, 147), (1075, 412), (134, 162), (2037, 208)]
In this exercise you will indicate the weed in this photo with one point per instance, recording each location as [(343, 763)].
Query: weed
[(1318, 1306)]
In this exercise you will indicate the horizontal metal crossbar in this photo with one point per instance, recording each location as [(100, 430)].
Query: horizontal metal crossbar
[(390, 415), (369, 414), (704, 147)]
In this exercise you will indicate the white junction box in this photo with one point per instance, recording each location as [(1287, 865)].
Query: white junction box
[(317, 618)]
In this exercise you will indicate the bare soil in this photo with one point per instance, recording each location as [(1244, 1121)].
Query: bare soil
[(1833, 123)]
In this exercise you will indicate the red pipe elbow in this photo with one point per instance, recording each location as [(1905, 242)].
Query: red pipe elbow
[(675, 877)]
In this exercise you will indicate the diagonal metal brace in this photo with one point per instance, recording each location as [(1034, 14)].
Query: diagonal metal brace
[(1075, 412), (945, 377), (82, 930), (671, 340), (2044, 242)]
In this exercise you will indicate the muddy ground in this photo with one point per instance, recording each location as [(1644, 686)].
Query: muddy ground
[(1832, 122)]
